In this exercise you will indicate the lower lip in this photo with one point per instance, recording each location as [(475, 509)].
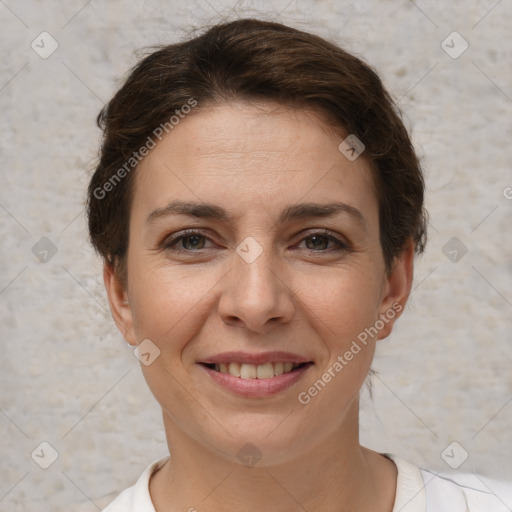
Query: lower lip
[(255, 388)]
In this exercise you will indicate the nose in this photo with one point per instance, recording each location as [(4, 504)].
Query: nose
[(256, 294)]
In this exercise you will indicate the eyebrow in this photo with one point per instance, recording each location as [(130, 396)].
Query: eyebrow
[(291, 212)]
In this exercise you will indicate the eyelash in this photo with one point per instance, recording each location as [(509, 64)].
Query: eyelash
[(170, 242)]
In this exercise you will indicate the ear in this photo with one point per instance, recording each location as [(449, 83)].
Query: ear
[(118, 300), (396, 290)]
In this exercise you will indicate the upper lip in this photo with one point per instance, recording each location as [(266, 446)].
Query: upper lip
[(255, 358)]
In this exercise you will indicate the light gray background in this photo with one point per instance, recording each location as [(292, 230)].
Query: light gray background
[(66, 375)]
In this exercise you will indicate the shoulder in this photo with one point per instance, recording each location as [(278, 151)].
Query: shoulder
[(422, 490), (136, 498), (477, 493)]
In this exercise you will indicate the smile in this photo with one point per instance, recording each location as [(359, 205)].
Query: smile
[(256, 371), (255, 380)]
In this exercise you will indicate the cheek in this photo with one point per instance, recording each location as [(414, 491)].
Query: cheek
[(167, 301), (345, 307), (344, 300), (343, 311)]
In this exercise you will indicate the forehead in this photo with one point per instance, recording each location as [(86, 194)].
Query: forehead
[(246, 155), (265, 132)]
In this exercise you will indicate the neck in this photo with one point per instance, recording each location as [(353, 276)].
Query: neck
[(336, 475)]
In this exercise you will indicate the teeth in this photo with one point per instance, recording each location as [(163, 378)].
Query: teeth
[(278, 368), (248, 371), (253, 371), (234, 369), (265, 371)]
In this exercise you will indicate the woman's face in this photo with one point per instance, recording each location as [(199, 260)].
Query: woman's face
[(262, 280)]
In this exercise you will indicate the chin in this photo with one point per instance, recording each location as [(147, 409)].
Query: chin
[(260, 439)]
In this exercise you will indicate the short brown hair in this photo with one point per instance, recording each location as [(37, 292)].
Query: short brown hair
[(256, 60)]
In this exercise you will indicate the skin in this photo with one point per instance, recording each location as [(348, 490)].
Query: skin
[(253, 160)]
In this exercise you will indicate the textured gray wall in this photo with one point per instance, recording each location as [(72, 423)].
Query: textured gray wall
[(67, 377)]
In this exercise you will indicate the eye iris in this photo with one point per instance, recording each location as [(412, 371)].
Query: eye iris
[(194, 244), (323, 241)]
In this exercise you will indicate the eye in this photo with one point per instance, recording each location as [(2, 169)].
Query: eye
[(187, 241), (194, 241), (320, 241)]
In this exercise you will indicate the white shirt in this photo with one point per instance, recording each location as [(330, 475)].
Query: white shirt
[(418, 490)]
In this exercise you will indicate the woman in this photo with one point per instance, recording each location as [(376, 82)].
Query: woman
[(258, 205)]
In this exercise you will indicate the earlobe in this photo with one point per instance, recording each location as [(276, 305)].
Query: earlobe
[(119, 305), (397, 290)]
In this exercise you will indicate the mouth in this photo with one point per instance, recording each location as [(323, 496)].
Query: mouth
[(248, 371), (255, 375)]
